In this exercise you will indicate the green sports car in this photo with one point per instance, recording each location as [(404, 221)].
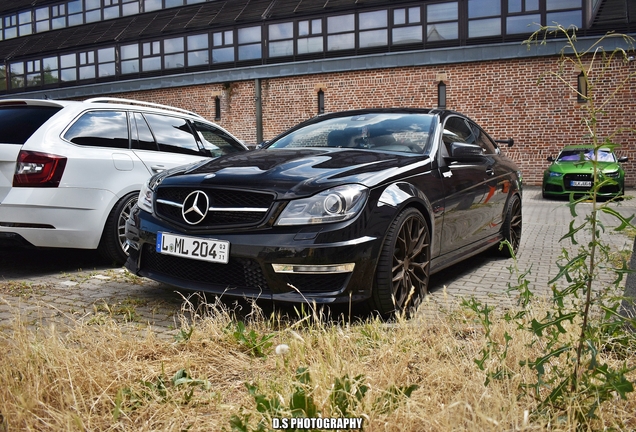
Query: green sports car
[(572, 171)]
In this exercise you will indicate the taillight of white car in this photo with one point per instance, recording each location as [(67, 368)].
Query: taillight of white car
[(35, 169)]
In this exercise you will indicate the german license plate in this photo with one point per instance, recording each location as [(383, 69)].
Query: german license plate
[(581, 183), (216, 251)]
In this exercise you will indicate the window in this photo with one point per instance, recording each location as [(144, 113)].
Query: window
[(130, 7), (129, 59), (58, 16), (174, 53), (141, 137), (68, 67), (249, 43), (3, 77), (340, 31), (172, 134), (151, 56), (281, 39), (51, 73), (17, 75), (42, 23), (484, 18), (198, 50), (407, 26), (111, 9), (373, 29), (310, 39), (93, 11), (442, 19), (557, 13), (18, 123), (523, 16), (488, 146), (106, 62), (100, 129), (223, 47), (215, 142), (33, 73), (86, 65), (10, 27), (24, 23), (75, 13)]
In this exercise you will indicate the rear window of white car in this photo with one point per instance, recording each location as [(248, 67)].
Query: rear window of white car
[(18, 123), (100, 129)]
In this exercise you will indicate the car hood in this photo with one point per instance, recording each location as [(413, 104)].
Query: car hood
[(297, 173), (582, 167)]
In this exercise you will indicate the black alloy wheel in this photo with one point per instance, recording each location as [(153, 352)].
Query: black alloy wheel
[(511, 229), (403, 272), (113, 244)]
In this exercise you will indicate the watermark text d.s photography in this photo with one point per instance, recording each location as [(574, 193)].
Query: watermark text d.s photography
[(317, 423)]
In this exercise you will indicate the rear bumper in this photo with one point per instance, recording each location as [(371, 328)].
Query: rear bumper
[(55, 217)]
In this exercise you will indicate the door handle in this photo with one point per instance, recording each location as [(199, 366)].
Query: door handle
[(490, 171), (158, 168)]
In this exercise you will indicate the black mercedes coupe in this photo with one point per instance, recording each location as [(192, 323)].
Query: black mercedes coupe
[(357, 206)]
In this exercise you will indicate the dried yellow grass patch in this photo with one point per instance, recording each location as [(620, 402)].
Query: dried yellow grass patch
[(103, 377)]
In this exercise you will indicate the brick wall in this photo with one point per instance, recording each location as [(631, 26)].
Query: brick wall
[(504, 97)]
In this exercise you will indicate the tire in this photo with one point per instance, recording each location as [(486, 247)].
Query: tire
[(404, 263), (112, 245), (511, 230)]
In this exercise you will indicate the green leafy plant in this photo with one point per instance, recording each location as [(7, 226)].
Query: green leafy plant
[(161, 390), (251, 342), (583, 328)]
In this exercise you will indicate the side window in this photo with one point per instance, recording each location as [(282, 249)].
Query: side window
[(100, 129), (142, 138), (456, 130), (483, 140), (173, 134), (215, 141)]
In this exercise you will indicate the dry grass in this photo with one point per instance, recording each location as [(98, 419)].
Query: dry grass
[(105, 377)]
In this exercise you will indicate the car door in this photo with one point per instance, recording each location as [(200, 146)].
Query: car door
[(466, 183), (163, 141)]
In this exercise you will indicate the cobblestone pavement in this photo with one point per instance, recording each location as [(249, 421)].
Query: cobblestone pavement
[(64, 285)]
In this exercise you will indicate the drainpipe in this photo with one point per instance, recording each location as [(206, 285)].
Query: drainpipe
[(259, 110)]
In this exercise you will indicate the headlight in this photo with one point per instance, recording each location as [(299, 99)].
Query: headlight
[(333, 205), (555, 174), (613, 174), (147, 191), (145, 197)]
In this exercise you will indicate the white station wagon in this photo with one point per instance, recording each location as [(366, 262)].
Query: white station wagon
[(71, 171)]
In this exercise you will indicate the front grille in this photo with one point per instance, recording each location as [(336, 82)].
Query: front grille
[(317, 283), (218, 198), (239, 272), (568, 178)]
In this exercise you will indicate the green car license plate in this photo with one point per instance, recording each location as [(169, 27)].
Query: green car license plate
[(216, 251), (581, 183)]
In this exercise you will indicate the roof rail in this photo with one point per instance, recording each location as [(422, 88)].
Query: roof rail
[(140, 103)]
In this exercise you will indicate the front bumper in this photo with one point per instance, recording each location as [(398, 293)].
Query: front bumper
[(557, 186), (280, 264)]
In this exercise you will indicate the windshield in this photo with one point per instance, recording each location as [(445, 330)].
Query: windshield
[(579, 155), (409, 133)]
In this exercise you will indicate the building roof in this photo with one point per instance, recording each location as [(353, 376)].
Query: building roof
[(611, 14)]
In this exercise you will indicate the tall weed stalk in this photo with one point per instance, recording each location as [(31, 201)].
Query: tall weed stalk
[(586, 342)]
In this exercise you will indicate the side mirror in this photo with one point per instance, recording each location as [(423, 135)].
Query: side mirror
[(465, 151), (260, 145), (550, 159), (623, 159)]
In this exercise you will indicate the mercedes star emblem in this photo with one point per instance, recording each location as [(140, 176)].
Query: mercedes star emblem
[(195, 207)]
